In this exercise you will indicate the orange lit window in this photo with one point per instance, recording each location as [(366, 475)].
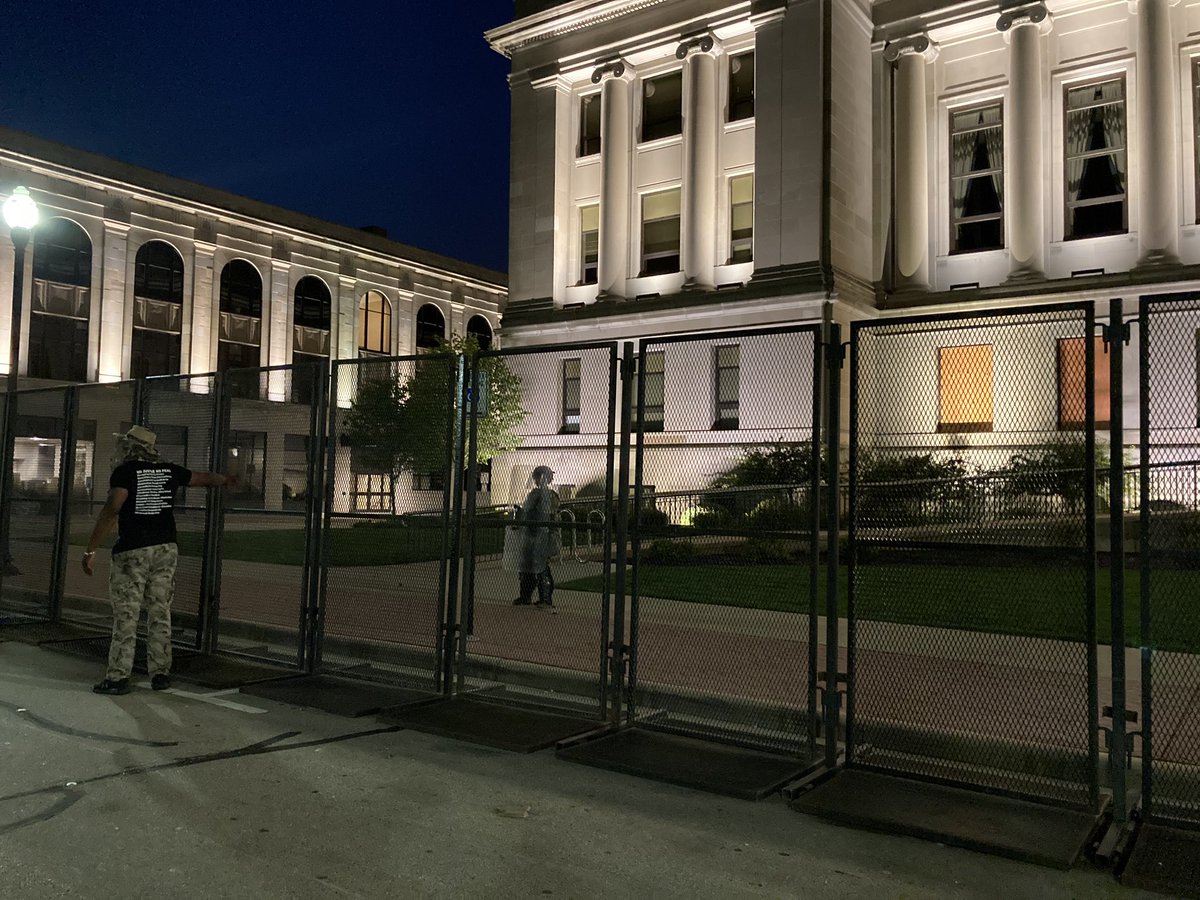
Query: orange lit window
[(965, 388), (1072, 383)]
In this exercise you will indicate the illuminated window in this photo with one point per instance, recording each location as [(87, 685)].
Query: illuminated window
[(1095, 164), (662, 106), (241, 327), (660, 233), (741, 218), (728, 362), (589, 125), (589, 243), (374, 324), (372, 492), (312, 303), (965, 388), (977, 179), (741, 87), (570, 397), (1072, 383), (429, 481)]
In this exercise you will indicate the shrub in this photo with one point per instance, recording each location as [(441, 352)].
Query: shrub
[(913, 488), (764, 552), (778, 463), (651, 519), (669, 553), (706, 518), (1056, 468), (778, 514)]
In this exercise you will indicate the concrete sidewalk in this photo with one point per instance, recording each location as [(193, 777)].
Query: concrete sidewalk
[(222, 795)]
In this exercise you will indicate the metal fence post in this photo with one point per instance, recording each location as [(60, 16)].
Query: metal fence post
[(471, 418), (6, 476), (458, 422), (633, 518), (311, 608), (326, 461), (852, 541), (1144, 547), (1115, 339), (833, 426), (1090, 567), (62, 518), (619, 650), (214, 518)]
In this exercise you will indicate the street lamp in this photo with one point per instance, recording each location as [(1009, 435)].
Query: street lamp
[(21, 214)]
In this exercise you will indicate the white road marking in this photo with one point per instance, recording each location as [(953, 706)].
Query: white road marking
[(216, 699)]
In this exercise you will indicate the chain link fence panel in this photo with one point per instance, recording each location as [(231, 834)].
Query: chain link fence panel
[(727, 541), (1170, 557), (971, 588)]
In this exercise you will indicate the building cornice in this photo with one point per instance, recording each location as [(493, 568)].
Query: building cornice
[(560, 20), (60, 161)]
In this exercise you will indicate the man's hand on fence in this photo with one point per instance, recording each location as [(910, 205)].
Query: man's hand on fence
[(89, 561)]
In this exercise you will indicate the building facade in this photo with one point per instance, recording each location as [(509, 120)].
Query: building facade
[(880, 158), (131, 273)]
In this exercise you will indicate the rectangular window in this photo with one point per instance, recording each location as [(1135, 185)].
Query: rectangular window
[(1072, 383), (372, 493), (247, 460), (57, 347), (741, 218), (1095, 163), (652, 408), (589, 243), (154, 353), (662, 106), (431, 481), (570, 397), (965, 388), (660, 233), (589, 125), (728, 386), (741, 87), (1196, 126), (977, 179)]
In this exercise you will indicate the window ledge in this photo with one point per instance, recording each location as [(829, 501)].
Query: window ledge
[(656, 143)]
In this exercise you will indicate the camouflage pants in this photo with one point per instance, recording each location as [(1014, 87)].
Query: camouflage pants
[(145, 575)]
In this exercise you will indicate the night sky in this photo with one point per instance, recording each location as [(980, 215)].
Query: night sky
[(363, 113)]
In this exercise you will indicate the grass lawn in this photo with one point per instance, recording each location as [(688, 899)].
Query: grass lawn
[(1004, 600)]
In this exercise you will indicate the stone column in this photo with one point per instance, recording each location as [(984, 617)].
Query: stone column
[(700, 136), (1025, 127), (277, 322), (616, 148), (197, 343), (1158, 226), (112, 301), (910, 57)]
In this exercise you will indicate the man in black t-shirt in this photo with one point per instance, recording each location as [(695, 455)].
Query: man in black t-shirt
[(141, 502)]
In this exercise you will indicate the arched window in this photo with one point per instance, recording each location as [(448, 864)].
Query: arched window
[(312, 303), (61, 301), (241, 289), (158, 273), (241, 324), (374, 324), (310, 336), (431, 327), (157, 310), (479, 328)]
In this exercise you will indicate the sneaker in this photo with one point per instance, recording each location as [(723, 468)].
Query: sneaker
[(108, 686), (546, 605), (160, 682)]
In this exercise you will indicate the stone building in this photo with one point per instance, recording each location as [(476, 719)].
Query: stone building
[(686, 166), (131, 273)]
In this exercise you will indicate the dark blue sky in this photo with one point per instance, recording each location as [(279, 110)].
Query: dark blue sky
[(362, 113)]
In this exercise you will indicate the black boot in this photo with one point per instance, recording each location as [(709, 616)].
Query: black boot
[(528, 580), (545, 586)]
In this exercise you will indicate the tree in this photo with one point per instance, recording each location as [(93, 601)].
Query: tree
[(398, 423)]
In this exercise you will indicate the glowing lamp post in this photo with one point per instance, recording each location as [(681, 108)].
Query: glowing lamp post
[(21, 215)]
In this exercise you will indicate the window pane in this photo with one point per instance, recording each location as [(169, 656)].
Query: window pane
[(1072, 382), (1095, 163), (62, 253), (589, 125), (589, 241), (660, 233), (741, 218), (741, 87), (965, 388), (662, 107), (57, 348)]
